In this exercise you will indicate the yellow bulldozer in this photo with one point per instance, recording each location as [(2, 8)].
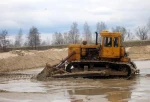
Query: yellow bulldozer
[(98, 60)]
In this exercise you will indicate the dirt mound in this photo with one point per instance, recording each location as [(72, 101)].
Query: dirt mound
[(7, 55), (21, 52), (29, 59), (138, 50)]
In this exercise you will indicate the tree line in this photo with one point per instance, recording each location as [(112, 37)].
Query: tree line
[(73, 36), (33, 39)]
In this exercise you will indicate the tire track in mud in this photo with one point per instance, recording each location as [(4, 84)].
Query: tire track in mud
[(15, 76)]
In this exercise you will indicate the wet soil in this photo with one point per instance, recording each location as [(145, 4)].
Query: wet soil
[(19, 87)]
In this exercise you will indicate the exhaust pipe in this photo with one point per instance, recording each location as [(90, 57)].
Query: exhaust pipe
[(96, 38)]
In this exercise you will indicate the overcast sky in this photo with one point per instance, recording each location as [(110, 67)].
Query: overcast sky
[(50, 16)]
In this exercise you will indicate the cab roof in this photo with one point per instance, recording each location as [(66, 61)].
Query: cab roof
[(106, 33)]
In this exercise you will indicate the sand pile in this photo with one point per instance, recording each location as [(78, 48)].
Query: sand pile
[(29, 59), (139, 52)]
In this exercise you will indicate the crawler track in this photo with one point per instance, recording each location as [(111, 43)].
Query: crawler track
[(99, 69)]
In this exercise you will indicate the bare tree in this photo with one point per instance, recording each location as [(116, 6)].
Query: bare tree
[(57, 38), (129, 35), (10, 43), (34, 37), (122, 30), (142, 33), (18, 39), (148, 24), (65, 38), (48, 41), (87, 33), (100, 26), (3, 39), (25, 44), (74, 33)]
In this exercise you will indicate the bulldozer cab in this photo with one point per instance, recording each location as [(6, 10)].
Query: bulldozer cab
[(110, 44)]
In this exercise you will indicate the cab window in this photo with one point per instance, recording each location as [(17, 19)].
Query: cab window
[(115, 42), (107, 41)]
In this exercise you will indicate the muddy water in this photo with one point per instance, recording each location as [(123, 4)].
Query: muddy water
[(18, 87)]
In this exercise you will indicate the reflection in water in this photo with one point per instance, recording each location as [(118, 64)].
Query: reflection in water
[(94, 91), (113, 94), (113, 89), (119, 96)]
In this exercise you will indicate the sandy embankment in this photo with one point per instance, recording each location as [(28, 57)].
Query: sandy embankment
[(30, 59), (139, 52), (33, 59)]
